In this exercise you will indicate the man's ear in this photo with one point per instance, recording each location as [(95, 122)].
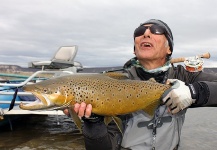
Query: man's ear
[(169, 51)]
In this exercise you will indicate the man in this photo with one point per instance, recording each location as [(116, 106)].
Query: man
[(153, 47)]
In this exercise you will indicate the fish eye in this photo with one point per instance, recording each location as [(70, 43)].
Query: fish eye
[(45, 90)]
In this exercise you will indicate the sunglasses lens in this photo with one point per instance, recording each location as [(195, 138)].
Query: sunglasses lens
[(140, 31), (156, 29)]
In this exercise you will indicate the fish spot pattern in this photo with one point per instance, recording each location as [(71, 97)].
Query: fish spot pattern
[(108, 96)]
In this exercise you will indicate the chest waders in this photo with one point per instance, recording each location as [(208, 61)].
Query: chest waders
[(159, 117)]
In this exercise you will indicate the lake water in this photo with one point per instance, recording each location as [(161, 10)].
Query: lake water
[(49, 132), (40, 133)]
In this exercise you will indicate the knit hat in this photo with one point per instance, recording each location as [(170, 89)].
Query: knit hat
[(168, 33)]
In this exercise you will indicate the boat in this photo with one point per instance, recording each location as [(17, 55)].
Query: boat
[(11, 94)]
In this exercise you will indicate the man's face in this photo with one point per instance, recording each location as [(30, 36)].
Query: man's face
[(151, 46)]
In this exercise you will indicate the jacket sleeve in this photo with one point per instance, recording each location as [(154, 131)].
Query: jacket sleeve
[(205, 93), (205, 87), (98, 136)]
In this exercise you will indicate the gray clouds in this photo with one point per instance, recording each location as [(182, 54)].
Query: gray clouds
[(103, 30)]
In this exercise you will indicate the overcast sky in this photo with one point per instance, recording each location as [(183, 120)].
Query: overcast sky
[(33, 30)]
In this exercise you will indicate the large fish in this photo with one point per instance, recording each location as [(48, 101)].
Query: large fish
[(110, 94)]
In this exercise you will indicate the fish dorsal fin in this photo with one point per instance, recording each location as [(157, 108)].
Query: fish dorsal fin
[(152, 80), (75, 118), (117, 75)]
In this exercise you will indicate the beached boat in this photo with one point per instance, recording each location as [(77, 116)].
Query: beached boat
[(11, 94)]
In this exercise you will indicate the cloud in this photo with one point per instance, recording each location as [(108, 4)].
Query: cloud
[(34, 30)]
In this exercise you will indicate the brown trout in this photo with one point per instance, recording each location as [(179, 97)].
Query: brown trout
[(109, 94)]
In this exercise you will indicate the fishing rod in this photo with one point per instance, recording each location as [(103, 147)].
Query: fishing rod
[(192, 64)]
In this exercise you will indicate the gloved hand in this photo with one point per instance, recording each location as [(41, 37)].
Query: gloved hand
[(178, 97)]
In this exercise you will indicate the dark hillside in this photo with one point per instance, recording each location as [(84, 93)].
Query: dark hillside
[(17, 69)]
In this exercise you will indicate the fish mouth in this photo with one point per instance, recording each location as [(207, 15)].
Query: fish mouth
[(41, 102)]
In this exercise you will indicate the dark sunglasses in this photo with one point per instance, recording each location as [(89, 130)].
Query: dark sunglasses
[(155, 29)]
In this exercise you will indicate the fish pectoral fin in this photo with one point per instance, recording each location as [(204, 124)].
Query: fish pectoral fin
[(75, 118), (117, 121)]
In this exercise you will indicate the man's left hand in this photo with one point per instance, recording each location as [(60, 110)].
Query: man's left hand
[(178, 97)]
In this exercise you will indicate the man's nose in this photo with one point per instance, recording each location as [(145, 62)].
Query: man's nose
[(147, 33)]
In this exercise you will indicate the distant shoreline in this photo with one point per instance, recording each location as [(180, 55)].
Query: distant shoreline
[(15, 68)]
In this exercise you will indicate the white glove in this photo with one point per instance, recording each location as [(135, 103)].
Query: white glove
[(178, 97)]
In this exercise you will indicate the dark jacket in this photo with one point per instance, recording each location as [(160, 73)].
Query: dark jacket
[(98, 136)]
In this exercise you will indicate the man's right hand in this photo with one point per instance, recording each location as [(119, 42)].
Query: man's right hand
[(82, 109)]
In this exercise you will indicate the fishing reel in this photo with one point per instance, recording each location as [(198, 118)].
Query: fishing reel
[(192, 64)]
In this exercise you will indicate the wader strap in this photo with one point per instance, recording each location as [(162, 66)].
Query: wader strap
[(149, 124)]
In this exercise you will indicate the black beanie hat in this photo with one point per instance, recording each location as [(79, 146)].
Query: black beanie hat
[(168, 35)]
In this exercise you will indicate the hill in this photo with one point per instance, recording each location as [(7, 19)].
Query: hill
[(18, 69)]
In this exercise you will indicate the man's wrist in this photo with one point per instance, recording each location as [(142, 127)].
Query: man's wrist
[(93, 118), (193, 92)]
